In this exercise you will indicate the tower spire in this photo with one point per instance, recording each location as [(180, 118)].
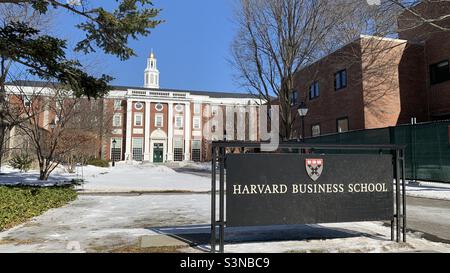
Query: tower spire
[(151, 73)]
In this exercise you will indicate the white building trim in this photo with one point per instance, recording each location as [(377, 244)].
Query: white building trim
[(147, 132), (128, 130), (170, 132), (187, 131)]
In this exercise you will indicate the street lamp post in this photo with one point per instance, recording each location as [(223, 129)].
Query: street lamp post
[(303, 111), (112, 155)]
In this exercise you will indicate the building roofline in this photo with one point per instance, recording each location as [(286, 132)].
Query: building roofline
[(214, 94), (360, 37)]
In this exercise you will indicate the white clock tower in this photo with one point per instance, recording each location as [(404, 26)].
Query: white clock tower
[(151, 73)]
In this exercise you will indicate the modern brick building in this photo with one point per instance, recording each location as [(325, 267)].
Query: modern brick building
[(376, 82), (158, 125)]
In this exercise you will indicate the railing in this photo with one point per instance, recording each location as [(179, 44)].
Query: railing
[(157, 94)]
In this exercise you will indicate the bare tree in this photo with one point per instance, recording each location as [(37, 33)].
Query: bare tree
[(275, 40), (13, 13), (279, 38), (434, 14), (56, 124)]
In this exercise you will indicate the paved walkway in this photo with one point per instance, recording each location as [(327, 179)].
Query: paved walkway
[(429, 216)]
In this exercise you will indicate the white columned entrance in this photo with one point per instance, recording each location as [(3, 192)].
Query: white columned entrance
[(170, 133), (147, 132), (129, 130), (187, 131)]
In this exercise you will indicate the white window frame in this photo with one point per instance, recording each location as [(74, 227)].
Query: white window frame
[(317, 126), (120, 120), (117, 104), (179, 118), (179, 108), (140, 147), (159, 107), (138, 103), (159, 116), (135, 119), (199, 123), (199, 150), (197, 108), (339, 128)]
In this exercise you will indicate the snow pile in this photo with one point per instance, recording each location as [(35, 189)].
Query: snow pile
[(60, 176), (429, 190), (203, 166), (145, 177)]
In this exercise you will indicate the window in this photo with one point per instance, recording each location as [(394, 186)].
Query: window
[(196, 123), (196, 150), (315, 130), (137, 144), (137, 119), (27, 102), (117, 104), (116, 149), (159, 107), (179, 108), (179, 122), (159, 120), (214, 126), (340, 80), (439, 72), (314, 91), (197, 108), (178, 149), (117, 120), (138, 106), (214, 110), (342, 125), (294, 97)]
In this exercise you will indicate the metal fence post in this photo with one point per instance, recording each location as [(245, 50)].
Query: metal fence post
[(404, 193), (213, 199), (397, 192), (222, 200)]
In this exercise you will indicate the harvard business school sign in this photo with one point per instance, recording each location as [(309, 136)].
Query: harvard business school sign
[(273, 189)]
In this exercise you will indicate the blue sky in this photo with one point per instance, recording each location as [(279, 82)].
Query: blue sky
[(192, 47)]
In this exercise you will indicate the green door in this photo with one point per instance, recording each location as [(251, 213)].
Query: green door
[(158, 150)]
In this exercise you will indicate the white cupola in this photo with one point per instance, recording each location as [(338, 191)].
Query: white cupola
[(151, 73)]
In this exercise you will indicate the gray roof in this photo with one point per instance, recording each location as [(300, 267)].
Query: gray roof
[(212, 94)]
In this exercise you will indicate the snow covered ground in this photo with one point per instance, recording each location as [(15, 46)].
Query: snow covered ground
[(136, 177), (148, 177), (105, 223), (96, 223), (11, 176)]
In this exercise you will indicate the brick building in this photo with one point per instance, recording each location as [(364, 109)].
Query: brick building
[(376, 82), (158, 125)]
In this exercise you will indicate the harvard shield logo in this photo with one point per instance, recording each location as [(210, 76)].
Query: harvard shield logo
[(314, 167)]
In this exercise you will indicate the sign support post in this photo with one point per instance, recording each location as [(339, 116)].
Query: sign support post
[(213, 199), (377, 212), (222, 199)]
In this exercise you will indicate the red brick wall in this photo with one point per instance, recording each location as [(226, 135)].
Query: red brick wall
[(331, 104), (436, 49), (165, 113)]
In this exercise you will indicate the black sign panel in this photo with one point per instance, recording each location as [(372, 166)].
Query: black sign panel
[(284, 189)]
